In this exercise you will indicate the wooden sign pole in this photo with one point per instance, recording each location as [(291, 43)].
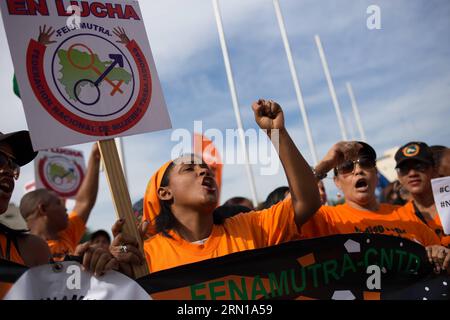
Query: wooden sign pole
[(121, 196)]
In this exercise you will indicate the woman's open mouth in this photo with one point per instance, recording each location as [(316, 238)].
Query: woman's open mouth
[(209, 184), (361, 185)]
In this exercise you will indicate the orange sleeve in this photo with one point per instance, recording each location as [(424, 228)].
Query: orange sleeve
[(320, 225), (445, 241), (429, 237), (268, 227), (75, 229)]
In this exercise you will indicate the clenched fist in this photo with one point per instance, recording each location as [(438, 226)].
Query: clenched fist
[(268, 115)]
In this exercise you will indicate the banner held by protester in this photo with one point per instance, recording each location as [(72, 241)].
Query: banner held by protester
[(341, 267)]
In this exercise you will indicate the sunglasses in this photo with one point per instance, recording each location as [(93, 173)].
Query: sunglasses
[(404, 168), (7, 163), (348, 166)]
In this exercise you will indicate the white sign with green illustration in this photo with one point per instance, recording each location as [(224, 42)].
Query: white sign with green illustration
[(61, 170), (85, 73)]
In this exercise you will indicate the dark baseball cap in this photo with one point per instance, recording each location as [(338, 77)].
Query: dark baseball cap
[(414, 150), (20, 143), (367, 150)]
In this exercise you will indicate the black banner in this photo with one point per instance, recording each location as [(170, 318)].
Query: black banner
[(341, 267)]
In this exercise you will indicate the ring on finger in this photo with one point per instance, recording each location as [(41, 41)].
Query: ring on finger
[(123, 249)]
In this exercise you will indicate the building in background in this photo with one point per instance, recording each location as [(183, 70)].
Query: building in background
[(386, 164)]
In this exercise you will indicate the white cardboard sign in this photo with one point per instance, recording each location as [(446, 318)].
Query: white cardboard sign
[(70, 282), (85, 72), (61, 170), (441, 193)]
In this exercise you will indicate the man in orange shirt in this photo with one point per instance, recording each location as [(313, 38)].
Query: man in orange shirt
[(361, 212), (46, 213), (182, 195), (415, 169), (17, 246), (27, 249)]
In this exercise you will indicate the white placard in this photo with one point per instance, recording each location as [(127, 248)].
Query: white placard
[(90, 77), (61, 170), (70, 282), (441, 193)]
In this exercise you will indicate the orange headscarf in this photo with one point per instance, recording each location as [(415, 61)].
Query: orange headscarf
[(151, 204), (205, 148)]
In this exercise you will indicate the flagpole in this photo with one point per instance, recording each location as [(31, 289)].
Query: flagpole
[(295, 80), (350, 128), (356, 112), (234, 99), (331, 87)]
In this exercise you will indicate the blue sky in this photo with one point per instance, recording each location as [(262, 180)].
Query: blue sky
[(400, 75)]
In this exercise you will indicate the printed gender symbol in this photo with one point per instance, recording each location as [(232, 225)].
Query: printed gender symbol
[(117, 60), (59, 179)]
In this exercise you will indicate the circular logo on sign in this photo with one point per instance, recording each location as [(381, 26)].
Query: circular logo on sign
[(60, 175), (93, 75), (411, 150), (90, 83)]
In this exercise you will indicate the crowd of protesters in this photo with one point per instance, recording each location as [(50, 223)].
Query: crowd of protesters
[(183, 223)]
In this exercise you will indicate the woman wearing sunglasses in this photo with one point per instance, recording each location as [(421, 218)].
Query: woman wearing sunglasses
[(356, 177), (415, 168)]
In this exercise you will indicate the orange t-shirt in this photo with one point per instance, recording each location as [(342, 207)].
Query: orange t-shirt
[(68, 238), (388, 220), (14, 256), (435, 224), (245, 231)]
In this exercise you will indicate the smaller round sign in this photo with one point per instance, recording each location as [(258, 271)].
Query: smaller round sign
[(61, 175)]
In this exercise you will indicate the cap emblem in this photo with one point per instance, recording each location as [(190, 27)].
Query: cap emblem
[(411, 150)]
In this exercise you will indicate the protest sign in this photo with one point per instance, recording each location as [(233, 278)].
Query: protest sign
[(86, 74), (441, 194), (60, 170)]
